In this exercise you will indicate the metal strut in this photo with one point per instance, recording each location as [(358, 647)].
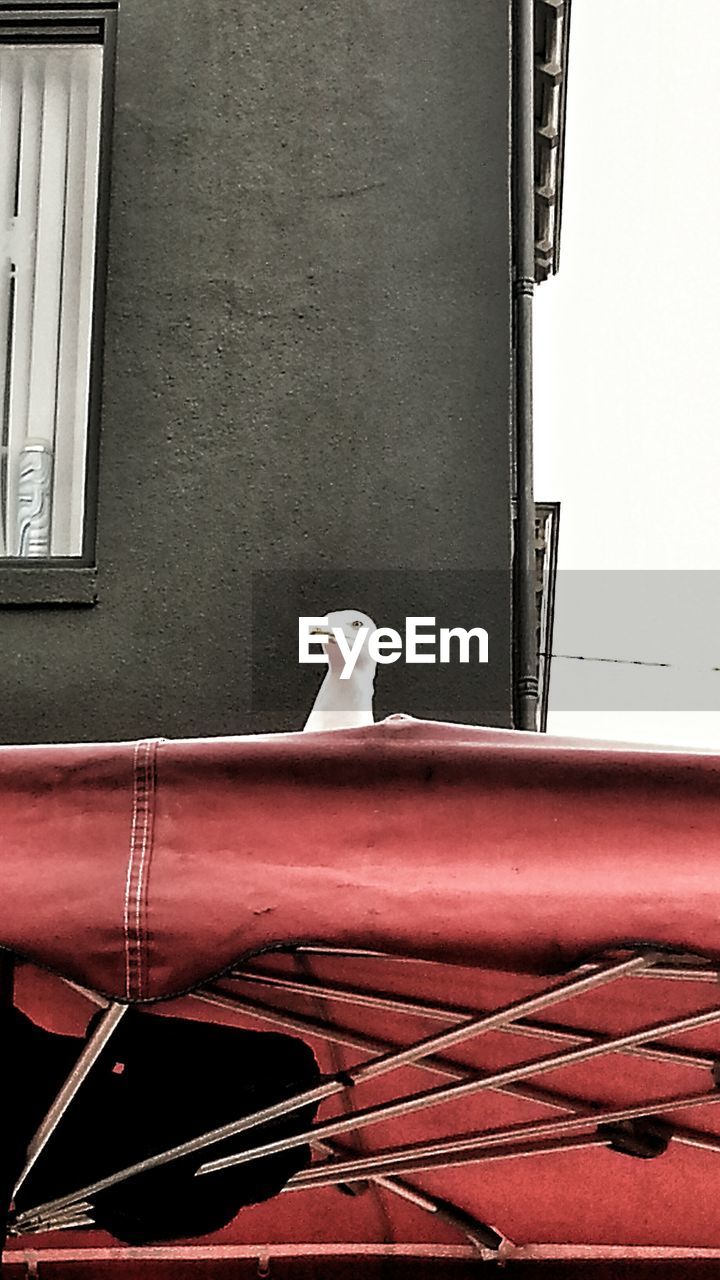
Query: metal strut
[(439, 1012), (518, 1139), (88, 1057)]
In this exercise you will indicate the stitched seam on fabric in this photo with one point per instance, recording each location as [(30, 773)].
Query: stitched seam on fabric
[(138, 865), (144, 868), (129, 877)]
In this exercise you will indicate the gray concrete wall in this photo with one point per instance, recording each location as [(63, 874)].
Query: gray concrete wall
[(307, 366)]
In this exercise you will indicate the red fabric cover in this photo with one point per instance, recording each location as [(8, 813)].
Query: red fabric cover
[(141, 869)]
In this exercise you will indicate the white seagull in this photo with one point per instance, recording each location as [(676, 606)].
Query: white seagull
[(344, 704)]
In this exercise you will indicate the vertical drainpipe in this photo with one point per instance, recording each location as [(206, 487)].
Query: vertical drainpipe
[(523, 193)]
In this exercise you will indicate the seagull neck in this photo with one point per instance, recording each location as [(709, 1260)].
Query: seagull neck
[(356, 691)]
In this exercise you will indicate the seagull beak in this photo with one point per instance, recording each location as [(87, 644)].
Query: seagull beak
[(322, 633)]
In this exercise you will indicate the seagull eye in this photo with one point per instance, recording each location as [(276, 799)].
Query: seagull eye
[(356, 623)]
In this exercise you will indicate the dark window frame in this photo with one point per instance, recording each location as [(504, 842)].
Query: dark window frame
[(72, 580)]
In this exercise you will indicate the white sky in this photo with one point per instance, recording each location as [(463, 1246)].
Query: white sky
[(627, 354)]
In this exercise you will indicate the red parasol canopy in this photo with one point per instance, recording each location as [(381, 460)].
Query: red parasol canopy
[(399, 895)]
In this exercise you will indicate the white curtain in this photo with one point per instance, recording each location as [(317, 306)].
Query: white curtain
[(49, 146)]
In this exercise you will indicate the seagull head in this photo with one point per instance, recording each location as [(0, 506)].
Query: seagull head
[(351, 623)]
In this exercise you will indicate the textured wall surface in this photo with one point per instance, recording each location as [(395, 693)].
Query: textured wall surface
[(307, 366)]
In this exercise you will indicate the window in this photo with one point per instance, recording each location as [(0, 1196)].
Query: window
[(52, 95)]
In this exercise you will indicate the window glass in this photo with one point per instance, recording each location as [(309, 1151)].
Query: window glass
[(50, 110)]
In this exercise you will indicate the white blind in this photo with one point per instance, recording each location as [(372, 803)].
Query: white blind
[(50, 100)]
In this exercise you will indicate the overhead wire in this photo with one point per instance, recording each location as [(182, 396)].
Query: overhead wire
[(632, 662)]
